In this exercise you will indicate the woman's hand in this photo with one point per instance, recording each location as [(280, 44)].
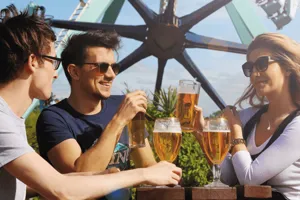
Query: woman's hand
[(234, 122)]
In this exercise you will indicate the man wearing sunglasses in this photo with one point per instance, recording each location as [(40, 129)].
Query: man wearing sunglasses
[(27, 69), (87, 131)]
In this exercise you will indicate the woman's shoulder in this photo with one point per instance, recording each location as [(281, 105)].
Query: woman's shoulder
[(246, 114), (295, 123)]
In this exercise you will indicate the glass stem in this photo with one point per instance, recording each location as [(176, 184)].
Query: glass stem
[(216, 172)]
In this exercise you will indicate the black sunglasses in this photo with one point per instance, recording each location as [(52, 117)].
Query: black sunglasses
[(55, 61), (103, 67), (261, 65)]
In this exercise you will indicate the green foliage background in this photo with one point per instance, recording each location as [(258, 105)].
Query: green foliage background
[(31, 133), (30, 128)]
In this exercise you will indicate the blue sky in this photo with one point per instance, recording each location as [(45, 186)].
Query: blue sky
[(223, 70)]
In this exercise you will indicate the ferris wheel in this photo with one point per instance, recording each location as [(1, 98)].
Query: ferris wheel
[(281, 12), (87, 14)]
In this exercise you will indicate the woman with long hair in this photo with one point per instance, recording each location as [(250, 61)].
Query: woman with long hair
[(265, 137)]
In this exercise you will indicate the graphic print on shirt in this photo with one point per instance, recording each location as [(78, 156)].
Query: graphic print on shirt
[(120, 157)]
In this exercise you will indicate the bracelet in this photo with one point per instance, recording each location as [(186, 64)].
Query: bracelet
[(236, 142)]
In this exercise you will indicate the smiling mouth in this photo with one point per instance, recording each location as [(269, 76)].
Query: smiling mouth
[(261, 81), (106, 84)]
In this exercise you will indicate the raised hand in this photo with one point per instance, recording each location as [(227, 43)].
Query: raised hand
[(234, 121), (133, 103), (163, 173)]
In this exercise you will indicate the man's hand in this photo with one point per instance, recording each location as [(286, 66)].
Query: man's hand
[(199, 119), (133, 103), (163, 173)]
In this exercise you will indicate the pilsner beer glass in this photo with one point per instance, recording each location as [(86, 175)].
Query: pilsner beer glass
[(187, 97), (215, 143), (136, 130), (167, 138)]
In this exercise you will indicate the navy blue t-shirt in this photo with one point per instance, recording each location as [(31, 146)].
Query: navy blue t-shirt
[(60, 122)]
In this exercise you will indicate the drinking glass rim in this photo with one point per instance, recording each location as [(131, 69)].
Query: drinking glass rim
[(194, 82), (215, 130), (167, 118)]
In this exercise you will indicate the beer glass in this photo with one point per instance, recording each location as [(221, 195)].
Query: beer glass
[(215, 143), (187, 97), (167, 138), (136, 130)]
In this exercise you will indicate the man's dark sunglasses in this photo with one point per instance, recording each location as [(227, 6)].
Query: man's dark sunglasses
[(55, 61), (261, 65), (103, 67)]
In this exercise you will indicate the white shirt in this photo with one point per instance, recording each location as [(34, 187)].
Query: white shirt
[(13, 144), (279, 164), (251, 146)]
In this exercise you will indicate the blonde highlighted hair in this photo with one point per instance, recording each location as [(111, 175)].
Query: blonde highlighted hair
[(287, 51)]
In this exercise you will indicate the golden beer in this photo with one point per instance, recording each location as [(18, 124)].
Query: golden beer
[(167, 145), (185, 110), (136, 131), (215, 144)]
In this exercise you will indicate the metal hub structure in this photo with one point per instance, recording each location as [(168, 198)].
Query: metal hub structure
[(166, 36)]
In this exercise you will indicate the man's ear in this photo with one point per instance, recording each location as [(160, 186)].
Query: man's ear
[(74, 71), (32, 63)]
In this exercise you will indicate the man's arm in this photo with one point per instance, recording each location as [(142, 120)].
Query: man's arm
[(143, 157), (35, 172), (30, 193), (67, 156)]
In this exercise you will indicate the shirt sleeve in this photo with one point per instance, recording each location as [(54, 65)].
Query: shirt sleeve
[(228, 175), (51, 129), (12, 145), (276, 158)]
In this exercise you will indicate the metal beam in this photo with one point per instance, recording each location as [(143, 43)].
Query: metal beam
[(246, 22), (113, 12)]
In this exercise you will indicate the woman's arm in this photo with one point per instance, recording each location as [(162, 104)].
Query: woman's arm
[(279, 156), (228, 175)]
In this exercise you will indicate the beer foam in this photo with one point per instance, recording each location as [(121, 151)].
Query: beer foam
[(187, 92), (215, 130), (167, 131)]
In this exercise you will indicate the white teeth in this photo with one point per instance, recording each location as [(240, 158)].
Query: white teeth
[(105, 84)]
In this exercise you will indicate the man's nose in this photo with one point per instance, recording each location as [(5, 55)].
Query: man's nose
[(110, 72)]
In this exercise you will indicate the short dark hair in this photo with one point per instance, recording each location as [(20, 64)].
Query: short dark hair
[(76, 46), (21, 35)]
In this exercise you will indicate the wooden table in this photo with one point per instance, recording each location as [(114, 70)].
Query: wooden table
[(200, 193), (152, 193)]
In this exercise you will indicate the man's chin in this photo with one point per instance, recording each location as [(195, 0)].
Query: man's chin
[(104, 96)]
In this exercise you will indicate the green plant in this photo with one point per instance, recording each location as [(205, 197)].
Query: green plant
[(165, 101), (30, 124), (196, 171)]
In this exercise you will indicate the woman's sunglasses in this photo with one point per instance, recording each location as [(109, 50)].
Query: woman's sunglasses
[(103, 67), (261, 65)]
